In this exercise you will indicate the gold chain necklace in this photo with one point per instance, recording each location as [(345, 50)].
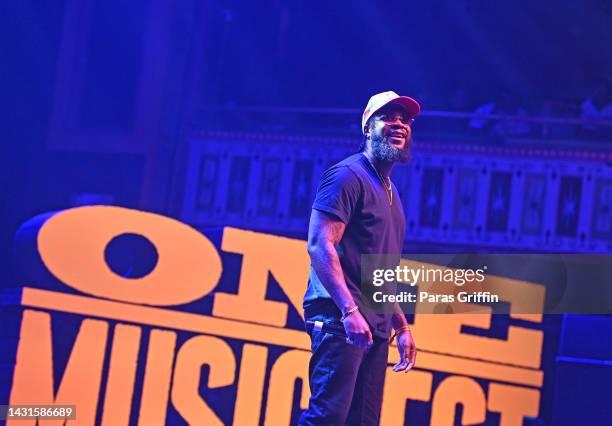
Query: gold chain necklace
[(388, 188)]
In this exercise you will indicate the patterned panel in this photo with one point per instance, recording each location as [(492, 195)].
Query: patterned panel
[(238, 184), (568, 209), (401, 179), (465, 199), (301, 188), (533, 204), (269, 186), (602, 211), (498, 207), (431, 197), (209, 170)]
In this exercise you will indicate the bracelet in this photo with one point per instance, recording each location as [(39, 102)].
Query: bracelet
[(400, 331), (349, 312)]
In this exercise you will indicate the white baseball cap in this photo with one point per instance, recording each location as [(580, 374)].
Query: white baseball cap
[(379, 100)]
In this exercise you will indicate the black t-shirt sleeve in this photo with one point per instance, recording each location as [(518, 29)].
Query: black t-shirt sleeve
[(338, 193)]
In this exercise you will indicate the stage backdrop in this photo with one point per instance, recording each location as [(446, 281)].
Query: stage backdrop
[(140, 319), (500, 197)]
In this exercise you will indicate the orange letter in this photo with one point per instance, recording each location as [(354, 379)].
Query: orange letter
[(288, 368), (194, 353), (513, 403), (250, 385), (458, 390), (156, 384), (286, 259), (121, 376), (442, 332), (33, 377), (399, 389), (72, 244)]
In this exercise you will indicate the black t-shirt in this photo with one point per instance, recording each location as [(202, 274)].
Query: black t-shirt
[(352, 191)]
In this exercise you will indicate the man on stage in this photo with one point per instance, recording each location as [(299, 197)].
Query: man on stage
[(357, 211)]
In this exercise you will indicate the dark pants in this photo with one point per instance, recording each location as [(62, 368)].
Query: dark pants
[(346, 382)]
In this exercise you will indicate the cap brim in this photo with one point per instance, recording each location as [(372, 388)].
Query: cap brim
[(411, 106)]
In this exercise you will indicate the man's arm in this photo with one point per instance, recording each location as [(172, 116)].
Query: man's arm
[(324, 234), (405, 342)]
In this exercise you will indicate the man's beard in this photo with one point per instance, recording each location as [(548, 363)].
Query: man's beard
[(383, 150)]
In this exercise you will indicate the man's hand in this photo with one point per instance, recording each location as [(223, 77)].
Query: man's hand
[(358, 330), (407, 352)]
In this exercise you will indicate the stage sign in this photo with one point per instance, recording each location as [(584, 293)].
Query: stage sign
[(210, 333)]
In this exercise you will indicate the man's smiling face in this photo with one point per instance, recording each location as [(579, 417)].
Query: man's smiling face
[(390, 134)]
